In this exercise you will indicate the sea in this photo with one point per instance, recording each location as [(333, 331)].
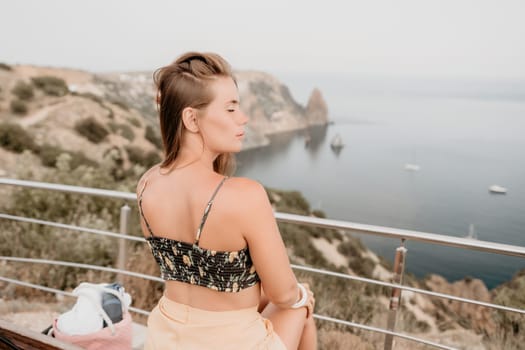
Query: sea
[(464, 135)]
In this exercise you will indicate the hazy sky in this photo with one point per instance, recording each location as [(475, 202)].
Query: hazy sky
[(452, 38)]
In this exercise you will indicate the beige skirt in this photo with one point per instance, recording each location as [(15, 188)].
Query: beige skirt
[(177, 326)]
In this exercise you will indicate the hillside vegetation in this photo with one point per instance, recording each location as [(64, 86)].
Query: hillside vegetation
[(52, 132)]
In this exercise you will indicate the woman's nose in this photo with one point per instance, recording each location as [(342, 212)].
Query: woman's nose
[(244, 118)]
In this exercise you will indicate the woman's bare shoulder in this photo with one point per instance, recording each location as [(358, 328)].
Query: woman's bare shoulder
[(248, 191), (245, 185), (144, 178)]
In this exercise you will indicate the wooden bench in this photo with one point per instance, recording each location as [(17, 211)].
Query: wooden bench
[(22, 338)]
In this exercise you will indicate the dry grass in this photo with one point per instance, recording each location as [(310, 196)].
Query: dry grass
[(340, 340)]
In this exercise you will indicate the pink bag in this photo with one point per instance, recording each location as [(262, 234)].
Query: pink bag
[(116, 336), (103, 339)]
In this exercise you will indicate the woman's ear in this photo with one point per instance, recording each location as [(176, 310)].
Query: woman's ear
[(189, 118)]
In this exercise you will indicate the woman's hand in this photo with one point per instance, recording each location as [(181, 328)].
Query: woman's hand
[(310, 302)]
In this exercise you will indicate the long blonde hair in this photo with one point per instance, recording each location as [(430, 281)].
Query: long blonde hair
[(185, 83)]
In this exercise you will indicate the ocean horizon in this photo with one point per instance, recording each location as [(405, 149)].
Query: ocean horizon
[(462, 145)]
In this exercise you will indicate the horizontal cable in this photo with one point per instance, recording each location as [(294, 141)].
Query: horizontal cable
[(72, 227), (320, 317), (68, 188), (83, 266), (384, 331), (303, 268), (445, 240), (36, 286), (415, 290), (58, 291)]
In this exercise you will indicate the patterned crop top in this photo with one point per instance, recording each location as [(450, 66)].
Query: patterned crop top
[(223, 271)]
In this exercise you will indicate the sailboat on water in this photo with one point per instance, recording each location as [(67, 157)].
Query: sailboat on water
[(471, 232), (412, 167), (337, 143)]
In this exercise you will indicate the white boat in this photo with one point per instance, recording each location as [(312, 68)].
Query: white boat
[(497, 189), (337, 142), (472, 232), (412, 167)]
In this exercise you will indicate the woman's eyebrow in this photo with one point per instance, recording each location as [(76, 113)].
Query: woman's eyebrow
[(235, 102)]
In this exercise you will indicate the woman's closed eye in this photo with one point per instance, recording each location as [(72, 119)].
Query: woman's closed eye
[(232, 105)]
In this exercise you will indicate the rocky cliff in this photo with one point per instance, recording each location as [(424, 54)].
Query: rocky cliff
[(264, 98), (272, 108), (268, 102)]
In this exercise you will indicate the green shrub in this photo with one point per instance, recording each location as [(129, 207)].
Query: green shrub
[(137, 155), (123, 130), (113, 127), (18, 107), (351, 248), (5, 66), (91, 129), (40, 241), (126, 132), (134, 122), (52, 86), (23, 91), (49, 154), (362, 266), (511, 328), (152, 136), (291, 202), (121, 104), (111, 114), (319, 213), (297, 238), (152, 158), (79, 158), (14, 138)]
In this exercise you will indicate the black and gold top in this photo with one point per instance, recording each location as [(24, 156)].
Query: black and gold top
[(223, 271)]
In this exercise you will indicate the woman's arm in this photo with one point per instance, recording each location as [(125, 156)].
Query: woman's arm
[(266, 246)]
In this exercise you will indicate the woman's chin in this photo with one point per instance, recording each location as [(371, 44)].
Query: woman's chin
[(238, 147)]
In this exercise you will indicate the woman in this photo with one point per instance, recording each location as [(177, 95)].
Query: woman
[(214, 237)]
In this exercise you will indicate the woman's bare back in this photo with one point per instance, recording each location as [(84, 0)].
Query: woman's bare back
[(173, 205)]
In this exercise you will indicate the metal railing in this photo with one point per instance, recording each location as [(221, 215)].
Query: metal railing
[(398, 270)]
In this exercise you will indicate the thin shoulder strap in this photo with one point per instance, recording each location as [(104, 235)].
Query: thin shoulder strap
[(140, 209), (207, 211)]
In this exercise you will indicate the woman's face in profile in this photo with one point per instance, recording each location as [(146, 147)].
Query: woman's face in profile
[(222, 122)]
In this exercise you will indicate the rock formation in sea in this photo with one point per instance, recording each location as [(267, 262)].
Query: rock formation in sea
[(268, 102), (317, 109), (272, 109)]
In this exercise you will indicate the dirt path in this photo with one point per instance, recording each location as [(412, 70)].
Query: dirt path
[(39, 115)]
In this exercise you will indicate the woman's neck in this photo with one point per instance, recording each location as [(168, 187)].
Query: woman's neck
[(187, 157)]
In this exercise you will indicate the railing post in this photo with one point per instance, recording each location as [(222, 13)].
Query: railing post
[(395, 298), (124, 228)]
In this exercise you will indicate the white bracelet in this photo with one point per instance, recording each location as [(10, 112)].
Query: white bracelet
[(304, 297)]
